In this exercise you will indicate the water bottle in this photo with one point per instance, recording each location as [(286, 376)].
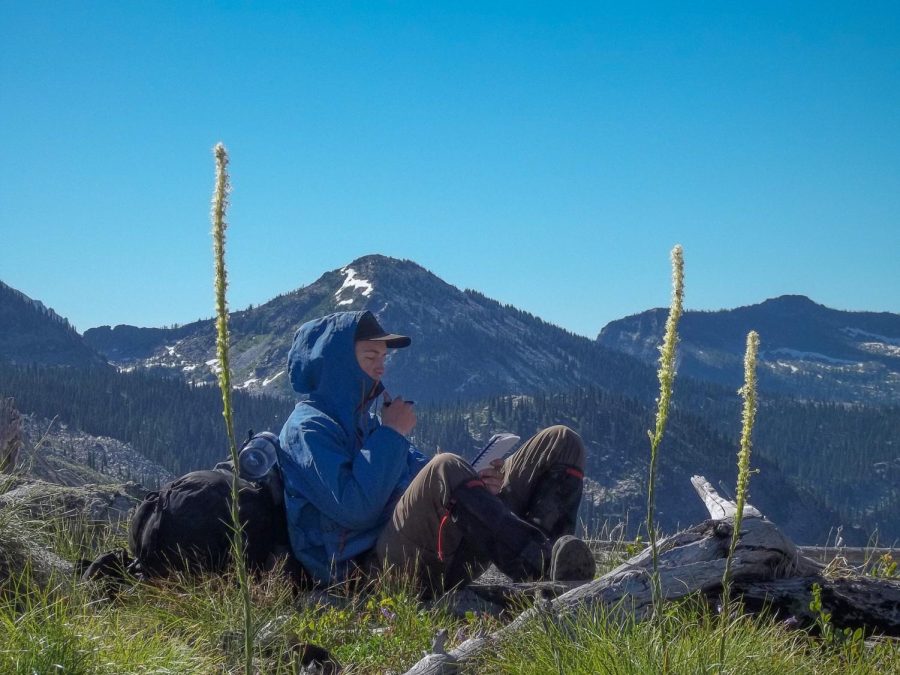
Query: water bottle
[(258, 456)]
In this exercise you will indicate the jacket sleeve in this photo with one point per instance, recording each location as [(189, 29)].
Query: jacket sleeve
[(416, 461), (351, 488)]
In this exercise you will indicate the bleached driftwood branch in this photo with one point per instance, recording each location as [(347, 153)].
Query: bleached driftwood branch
[(767, 569)]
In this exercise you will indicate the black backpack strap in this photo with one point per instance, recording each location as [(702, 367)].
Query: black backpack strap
[(143, 534), (110, 572)]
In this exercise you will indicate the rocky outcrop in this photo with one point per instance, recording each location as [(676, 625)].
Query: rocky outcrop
[(10, 434), (57, 453), (55, 489), (29, 509), (40, 500), (26, 562)]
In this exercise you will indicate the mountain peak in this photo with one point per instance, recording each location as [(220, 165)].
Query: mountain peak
[(466, 346), (371, 259), (34, 333), (378, 261), (790, 301), (37, 304), (808, 349)]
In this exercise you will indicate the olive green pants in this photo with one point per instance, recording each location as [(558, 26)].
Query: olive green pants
[(420, 537)]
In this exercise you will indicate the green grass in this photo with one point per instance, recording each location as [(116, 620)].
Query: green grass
[(70, 635), (193, 626), (685, 639)]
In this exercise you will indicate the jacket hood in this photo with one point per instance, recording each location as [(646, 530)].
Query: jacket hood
[(322, 364)]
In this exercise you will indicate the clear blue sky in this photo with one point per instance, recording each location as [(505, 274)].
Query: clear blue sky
[(546, 154)]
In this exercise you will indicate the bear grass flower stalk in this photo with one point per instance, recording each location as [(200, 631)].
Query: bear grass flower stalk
[(219, 206), (748, 417), (666, 381)]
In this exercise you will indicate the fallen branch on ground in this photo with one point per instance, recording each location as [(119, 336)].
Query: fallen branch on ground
[(767, 570)]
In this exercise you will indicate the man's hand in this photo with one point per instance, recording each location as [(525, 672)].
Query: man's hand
[(398, 414), (493, 477)]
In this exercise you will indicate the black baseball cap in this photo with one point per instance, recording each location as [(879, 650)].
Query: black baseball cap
[(368, 328)]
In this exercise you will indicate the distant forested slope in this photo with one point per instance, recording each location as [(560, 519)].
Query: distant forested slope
[(164, 419), (821, 466)]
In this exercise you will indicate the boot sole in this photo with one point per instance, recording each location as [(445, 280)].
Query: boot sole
[(572, 560)]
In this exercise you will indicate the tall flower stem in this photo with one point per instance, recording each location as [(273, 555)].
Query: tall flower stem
[(666, 381), (748, 417), (219, 224)]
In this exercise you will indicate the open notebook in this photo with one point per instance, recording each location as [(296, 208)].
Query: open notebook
[(499, 446)]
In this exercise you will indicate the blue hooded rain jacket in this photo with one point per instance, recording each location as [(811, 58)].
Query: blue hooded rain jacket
[(343, 471)]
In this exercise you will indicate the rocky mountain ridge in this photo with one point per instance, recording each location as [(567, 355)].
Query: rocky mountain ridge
[(807, 350), (30, 332), (465, 344), (468, 346)]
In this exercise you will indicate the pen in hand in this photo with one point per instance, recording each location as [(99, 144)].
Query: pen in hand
[(401, 418), (388, 400)]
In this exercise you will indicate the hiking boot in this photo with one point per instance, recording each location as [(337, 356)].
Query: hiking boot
[(553, 506), (497, 534), (518, 549), (465, 564), (571, 560)]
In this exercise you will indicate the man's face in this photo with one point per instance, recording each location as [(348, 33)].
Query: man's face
[(370, 354)]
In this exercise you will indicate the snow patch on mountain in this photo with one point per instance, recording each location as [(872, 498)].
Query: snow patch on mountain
[(880, 349), (354, 284), (808, 356), (873, 343), (256, 384), (874, 337), (270, 380), (785, 365), (469, 380)]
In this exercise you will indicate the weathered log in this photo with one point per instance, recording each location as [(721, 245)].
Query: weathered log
[(767, 570), (853, 602)]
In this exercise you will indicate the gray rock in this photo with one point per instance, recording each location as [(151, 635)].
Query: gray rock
[(10, 434), (58, 453), (90, 503), (26, 562)]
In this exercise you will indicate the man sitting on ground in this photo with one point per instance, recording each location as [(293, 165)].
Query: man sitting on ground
[(357, 492)]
